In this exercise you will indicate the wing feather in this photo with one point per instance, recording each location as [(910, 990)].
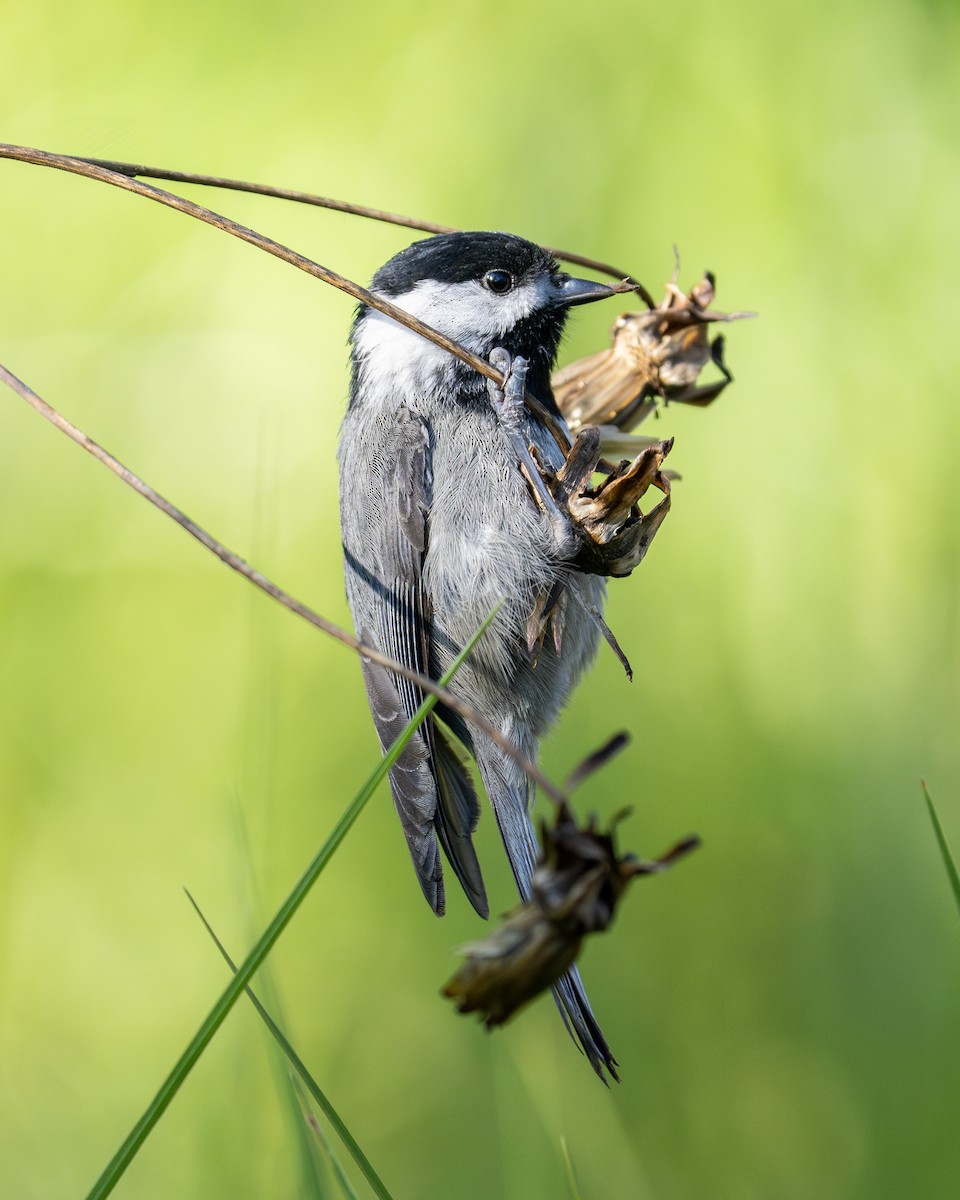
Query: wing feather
[(432, 790)]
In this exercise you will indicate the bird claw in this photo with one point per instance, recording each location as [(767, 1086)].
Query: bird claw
[(508, 404), (599, 530), (507, 401)]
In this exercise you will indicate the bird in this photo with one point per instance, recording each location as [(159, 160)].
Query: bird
[(439, 525)]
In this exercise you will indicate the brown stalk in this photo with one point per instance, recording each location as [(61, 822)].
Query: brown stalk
[(90, 170), (354, 210), (258, 579)]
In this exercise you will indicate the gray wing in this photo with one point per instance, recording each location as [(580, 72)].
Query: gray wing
[(385, 540)]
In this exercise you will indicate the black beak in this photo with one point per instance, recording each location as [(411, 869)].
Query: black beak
[(579, 291)]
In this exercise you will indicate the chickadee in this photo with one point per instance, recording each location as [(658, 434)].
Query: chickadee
[(439, 525)]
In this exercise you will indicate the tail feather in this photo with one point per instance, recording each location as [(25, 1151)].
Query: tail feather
[(457, 815), (582, 1025), (516, 828)]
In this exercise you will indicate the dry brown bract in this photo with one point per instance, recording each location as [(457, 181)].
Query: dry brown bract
[(576, 887), (615, 534), (657, 354)]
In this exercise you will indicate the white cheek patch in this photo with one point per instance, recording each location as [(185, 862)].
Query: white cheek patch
[(395, 359), (470, 311), (467, 312)]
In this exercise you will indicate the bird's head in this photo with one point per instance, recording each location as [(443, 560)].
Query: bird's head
[(483, 290)]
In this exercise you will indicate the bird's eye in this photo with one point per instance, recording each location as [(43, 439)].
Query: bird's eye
[(498, 281)]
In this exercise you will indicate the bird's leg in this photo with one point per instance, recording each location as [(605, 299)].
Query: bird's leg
[(598, 530), (508, 404)]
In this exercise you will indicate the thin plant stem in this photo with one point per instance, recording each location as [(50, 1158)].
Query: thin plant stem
[(259, 580), (89, 170), (572, 1183), (317, 1129), (301, 1069), (141, 171), (314, 1167), (127, 1151), (948, 860)]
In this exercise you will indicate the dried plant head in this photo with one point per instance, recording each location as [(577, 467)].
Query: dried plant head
[(578, 883), (655, 356)]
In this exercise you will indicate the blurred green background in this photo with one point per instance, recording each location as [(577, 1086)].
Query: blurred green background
[(784, 1006)]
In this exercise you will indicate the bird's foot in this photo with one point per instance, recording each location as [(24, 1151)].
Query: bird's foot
[(596, 529), (615, 534), (508, 404), (508, 401)]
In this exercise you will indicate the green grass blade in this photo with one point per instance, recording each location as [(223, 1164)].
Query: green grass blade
[(571, 1174), (115, 1168), (948, 859), (314, 1165), (300, 1067), (345, 1185)]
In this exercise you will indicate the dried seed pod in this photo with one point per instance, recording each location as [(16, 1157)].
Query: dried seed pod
[(615, 535), (576, 887), (654, 355)]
